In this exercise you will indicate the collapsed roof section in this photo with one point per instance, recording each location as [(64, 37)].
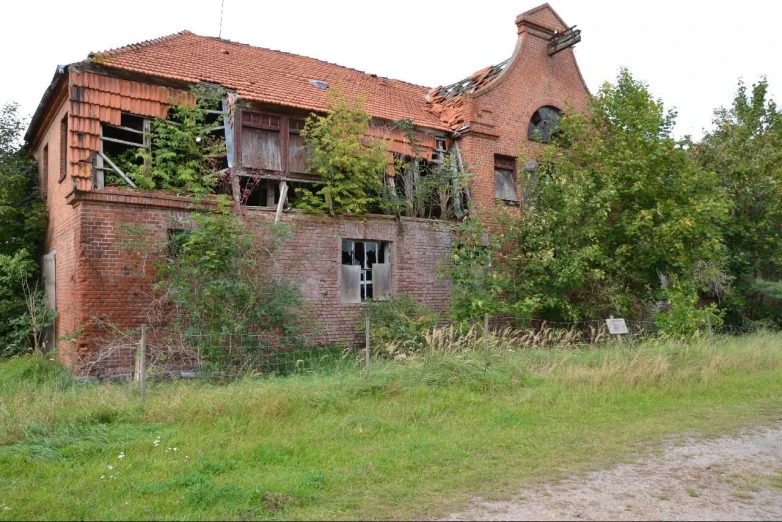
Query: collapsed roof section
[(447, 103)]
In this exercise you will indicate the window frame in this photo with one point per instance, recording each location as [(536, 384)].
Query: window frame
[(285, 129), (530, 131), (45, 172), (506, 164), (367, 277), (63, 148)]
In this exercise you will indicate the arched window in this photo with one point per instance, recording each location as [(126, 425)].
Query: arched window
[(543, 123)]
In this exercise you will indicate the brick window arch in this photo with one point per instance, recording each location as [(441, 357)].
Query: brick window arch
[(543, 123)]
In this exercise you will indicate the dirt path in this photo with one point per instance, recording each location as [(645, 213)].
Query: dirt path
[(730, 478)]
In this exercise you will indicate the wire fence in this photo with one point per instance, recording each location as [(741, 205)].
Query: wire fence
[(225, 357)]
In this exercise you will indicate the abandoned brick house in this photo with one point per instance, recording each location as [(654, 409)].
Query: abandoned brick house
[(96, 108)]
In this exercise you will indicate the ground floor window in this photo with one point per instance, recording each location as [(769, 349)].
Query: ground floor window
[(366, 270)]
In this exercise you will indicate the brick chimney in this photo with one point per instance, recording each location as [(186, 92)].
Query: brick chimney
[(542, 21)]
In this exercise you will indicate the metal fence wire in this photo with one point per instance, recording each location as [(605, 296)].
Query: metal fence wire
[(231, 356)]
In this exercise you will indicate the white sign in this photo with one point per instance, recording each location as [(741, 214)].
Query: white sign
[(616, 326)]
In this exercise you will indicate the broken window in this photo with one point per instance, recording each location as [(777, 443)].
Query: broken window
[(366, 270), (119, 147), (543, 124), (425, 188), (505, 179), (128, 147), (45, 171), (438, 153), (63, 148)]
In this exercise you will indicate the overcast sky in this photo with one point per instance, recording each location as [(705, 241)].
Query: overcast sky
[(691, 53)]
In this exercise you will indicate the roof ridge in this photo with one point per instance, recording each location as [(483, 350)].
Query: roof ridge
[(139, 45), (424, 88)]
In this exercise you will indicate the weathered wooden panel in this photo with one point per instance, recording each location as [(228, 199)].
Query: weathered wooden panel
[(49, 273), (351, 283), (381, 279), (298, 154), (504, 188), (261, 149)]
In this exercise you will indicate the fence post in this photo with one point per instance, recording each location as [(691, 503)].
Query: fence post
[(367, 342), (141, 364), (486, 330), (711, 333)]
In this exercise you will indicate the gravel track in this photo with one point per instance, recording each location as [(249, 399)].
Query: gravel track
[(728, 478)]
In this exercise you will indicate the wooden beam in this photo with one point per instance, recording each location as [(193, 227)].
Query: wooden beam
[(283, 195), (116, 169), (99, 181), (120, 127), (123, 142)]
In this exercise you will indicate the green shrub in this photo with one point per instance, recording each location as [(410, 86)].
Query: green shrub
[(683, 317), (399, 325)]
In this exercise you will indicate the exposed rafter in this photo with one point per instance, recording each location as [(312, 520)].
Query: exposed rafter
[(563, 40)]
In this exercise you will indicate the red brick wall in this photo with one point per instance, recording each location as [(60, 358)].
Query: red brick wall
[(500, 113), (62, 233), (109, 283)]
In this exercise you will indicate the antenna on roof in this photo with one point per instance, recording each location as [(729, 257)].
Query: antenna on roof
[(220, 33)]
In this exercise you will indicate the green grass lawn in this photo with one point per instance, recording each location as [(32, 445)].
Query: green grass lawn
[(411, 439)]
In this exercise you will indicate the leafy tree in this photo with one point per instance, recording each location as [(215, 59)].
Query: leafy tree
[(615, 202), (22, 213), (744, 148), (350, 164), (22, 225), (478, 286)]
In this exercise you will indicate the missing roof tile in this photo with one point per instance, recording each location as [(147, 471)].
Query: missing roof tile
[(319, 84)]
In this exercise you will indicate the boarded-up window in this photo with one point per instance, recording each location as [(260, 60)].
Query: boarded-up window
[(63, 148), (261, 141), (505, 179), (298, 152), (45, 171), (50, 284), (366, 270)]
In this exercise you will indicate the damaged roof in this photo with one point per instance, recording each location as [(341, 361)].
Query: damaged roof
[(269, 76), (446, 102)]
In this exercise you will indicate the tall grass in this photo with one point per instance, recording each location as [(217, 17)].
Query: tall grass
[(411, 437)]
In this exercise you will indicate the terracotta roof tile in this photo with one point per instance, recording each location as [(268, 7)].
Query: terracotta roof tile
[(269, 76), (447, 103)]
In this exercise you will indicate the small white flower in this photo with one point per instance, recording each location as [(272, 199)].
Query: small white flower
[(121, 456), (110, 467), (103, 476), (176, 449), (6, 508)]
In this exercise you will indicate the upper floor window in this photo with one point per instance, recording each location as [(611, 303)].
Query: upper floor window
[(271, 142), (45, 171), (63, 148), (543, 123), (505, 179)]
